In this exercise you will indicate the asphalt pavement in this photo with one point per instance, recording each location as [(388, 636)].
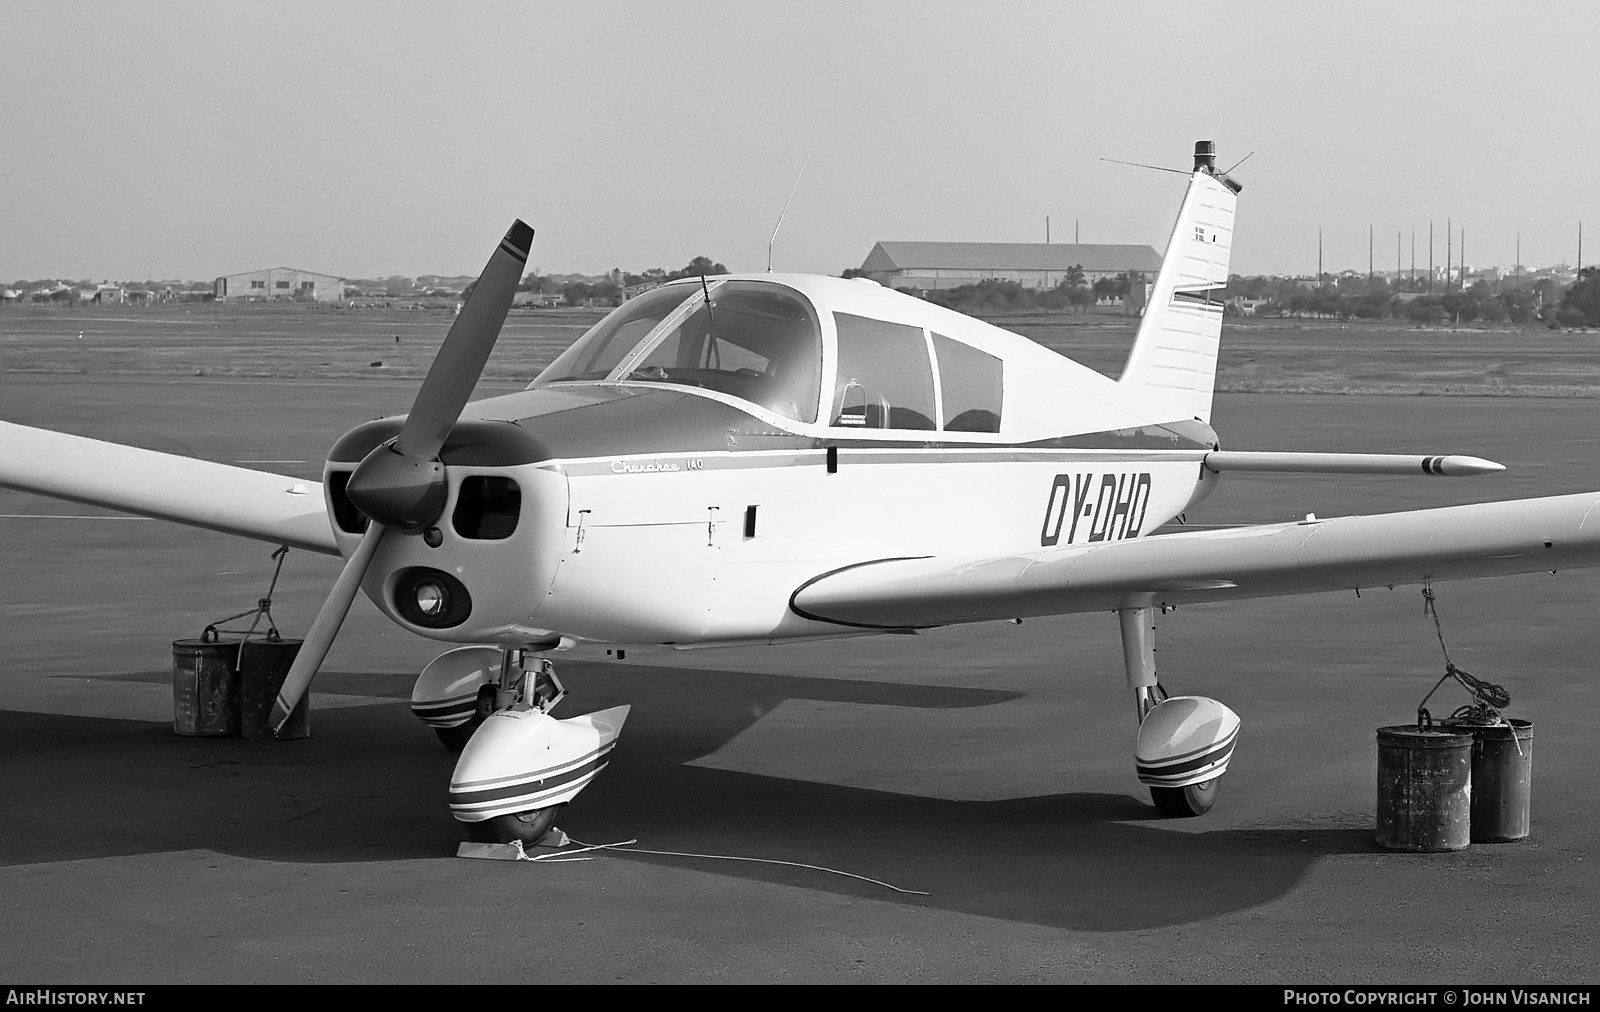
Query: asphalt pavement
[(986, 771)]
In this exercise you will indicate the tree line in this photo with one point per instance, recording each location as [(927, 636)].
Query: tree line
[(1522, 301), (608, 292), (994, 295)]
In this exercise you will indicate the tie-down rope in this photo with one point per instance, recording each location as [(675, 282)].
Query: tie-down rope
[(263, 609), (1488, 699), (625, 847)]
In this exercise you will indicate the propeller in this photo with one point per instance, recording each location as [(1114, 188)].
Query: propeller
[(400, 485)]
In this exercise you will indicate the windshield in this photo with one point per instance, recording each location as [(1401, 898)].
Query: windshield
[(596, 353), (757, 341)]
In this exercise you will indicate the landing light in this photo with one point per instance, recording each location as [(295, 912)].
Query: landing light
[(431, 598)]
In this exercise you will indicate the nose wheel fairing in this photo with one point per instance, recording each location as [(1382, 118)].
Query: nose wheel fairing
[(524, 759)]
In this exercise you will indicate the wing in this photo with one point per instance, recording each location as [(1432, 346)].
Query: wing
[(218, 497), (1456, 542)]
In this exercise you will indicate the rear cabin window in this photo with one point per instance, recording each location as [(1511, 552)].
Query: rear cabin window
[(970, 382), (885, 380)]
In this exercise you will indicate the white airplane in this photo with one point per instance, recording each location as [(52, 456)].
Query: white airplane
[(773, 457)]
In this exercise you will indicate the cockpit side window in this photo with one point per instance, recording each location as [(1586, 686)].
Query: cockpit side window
[(971, 383), (757, 341), (600, 350), (885, 380)]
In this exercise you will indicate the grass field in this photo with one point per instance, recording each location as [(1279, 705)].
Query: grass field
[(1267, 356)]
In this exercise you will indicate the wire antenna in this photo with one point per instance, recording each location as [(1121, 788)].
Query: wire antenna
[(785, 210), (1235, 165), (1158, 168)]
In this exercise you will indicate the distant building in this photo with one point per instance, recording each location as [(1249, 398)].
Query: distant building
[(936, 265), (279, 283), (539, 300), (104, 293)]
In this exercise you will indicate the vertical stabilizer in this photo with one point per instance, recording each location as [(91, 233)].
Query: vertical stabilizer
[(1174, 356)]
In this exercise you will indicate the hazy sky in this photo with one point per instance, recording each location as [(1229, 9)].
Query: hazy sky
[(191, 140)]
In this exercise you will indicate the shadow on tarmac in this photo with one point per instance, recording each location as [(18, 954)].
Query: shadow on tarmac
[(370, 786)]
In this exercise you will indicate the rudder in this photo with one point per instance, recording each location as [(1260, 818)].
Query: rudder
[(1174, 356)]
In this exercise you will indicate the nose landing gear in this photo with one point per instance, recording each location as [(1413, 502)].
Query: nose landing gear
[(518, 763)]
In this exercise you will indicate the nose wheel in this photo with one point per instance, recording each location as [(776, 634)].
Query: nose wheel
[(522, 827)]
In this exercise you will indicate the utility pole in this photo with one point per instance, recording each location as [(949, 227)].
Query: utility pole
[(1449, 253), (1430, 255), (1463, 285), (1319, 258), (1412, 284), (1519, 254), (1047, 230), (1075, 231)]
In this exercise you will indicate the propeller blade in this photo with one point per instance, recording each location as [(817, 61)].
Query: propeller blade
[(466, 348), (325, 628)]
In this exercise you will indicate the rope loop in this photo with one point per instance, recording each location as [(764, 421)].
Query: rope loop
[(262, 610), (1488, 698)]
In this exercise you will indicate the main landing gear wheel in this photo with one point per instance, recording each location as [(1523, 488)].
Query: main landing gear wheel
[(455, 738), (1185, 802), (528, 827)]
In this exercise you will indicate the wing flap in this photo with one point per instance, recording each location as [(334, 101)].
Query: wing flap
[(1344, 553), (200, 493)]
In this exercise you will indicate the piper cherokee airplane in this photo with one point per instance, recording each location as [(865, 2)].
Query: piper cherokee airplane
[(694, 471)]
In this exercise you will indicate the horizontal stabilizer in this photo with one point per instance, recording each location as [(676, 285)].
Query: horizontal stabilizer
[(200, 493), (1447, 466)]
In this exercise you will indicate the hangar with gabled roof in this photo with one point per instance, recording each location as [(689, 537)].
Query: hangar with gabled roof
[(279, 283), (936, 265)]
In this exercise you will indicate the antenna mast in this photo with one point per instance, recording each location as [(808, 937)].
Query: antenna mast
[(785, 210)]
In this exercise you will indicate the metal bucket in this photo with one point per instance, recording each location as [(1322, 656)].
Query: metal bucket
[(1424, 789), (1502, 779), (263, 664), (205, 687)]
